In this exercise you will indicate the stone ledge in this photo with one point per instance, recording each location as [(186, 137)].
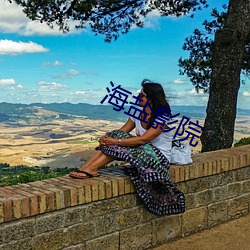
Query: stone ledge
[(39, 197)]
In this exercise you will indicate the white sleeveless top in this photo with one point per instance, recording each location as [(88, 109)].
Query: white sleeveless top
[(163, 141)]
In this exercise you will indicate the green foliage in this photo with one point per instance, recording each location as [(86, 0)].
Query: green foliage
[(242, 142), (23, 174), (108, 17), (198, 66)]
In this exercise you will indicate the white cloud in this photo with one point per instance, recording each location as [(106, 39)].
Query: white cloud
[(178, 81), (73, 72), (246, 93), (7, 82), (13, 20), (80, 92), (55, 63), (15, 48), (51, 86), (19, 86)]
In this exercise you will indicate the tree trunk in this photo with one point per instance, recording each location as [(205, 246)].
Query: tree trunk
[(227, 56)]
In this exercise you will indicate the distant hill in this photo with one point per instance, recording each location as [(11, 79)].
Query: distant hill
[(45, 112)]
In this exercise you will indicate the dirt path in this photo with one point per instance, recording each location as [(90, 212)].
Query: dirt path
[(233, 235)]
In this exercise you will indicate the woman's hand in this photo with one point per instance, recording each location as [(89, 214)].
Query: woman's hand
[(107, 141)]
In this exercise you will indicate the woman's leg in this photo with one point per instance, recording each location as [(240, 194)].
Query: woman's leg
[(91, 159), (98, 160)]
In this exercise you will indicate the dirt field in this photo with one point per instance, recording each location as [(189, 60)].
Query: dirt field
[(233, 235), (34, 145)]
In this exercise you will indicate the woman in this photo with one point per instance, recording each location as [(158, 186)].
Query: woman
[(148, 153)]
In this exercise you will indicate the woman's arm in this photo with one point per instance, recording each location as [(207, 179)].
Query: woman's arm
[(135, 141)]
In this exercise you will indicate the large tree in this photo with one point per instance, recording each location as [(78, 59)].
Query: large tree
[(227, 56), (115, 17), (198, 67), (108, 17)]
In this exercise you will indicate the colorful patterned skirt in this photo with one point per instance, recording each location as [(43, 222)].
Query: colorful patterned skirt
[(149, 173)]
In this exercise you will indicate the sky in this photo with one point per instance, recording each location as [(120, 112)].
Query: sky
[(38, 64)]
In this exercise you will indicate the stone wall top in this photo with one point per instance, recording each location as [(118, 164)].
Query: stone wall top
[(39, 197)]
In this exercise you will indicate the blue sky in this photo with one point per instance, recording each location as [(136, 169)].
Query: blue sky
[(38, 64)]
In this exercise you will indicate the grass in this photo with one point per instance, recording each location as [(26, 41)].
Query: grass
[(23, 174)]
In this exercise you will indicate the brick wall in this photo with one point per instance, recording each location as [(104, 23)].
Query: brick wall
[(105, 212)]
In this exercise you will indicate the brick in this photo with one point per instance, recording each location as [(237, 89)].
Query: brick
[(243, 160), (231, 162), (105, 224), (25, 204), (73, 196), (7, 209), (59, 198), (186, 172), (235, 161), (217, 213), (115, 188), (220, 193), (248, 159), (18, 230), (121, 185), (204, 198), (1, 211), (201, 170), (210, 168), (177, 174), (194, 220), (238, 206), (74, 215), (88, 193), (240, 174), (33, 201), (41, 201), (49, 222), (129, 217), (66, 195), (17, 212), (78, 184), (165, 229), (51, 240), (6, 192), (101, 191), (80, 233), (197, 170), (132, 188), (127, 185), (225, 165), (110, 242), (214, 167), (190, 202), (95, 191), (182, 174), (94, 188), (172, 171), (138, 237), (245, 186), (108, 189)]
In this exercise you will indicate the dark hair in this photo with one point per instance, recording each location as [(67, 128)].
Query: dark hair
[(155, 92)]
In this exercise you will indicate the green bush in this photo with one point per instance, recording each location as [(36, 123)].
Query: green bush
[(242, 142), (23, 174)]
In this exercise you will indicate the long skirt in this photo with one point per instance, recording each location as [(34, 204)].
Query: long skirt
[(149, 172)]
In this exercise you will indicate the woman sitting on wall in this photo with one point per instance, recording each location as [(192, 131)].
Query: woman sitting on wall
[(148, 153)]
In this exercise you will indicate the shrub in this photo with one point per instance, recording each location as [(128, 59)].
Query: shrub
[(242, 142)]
